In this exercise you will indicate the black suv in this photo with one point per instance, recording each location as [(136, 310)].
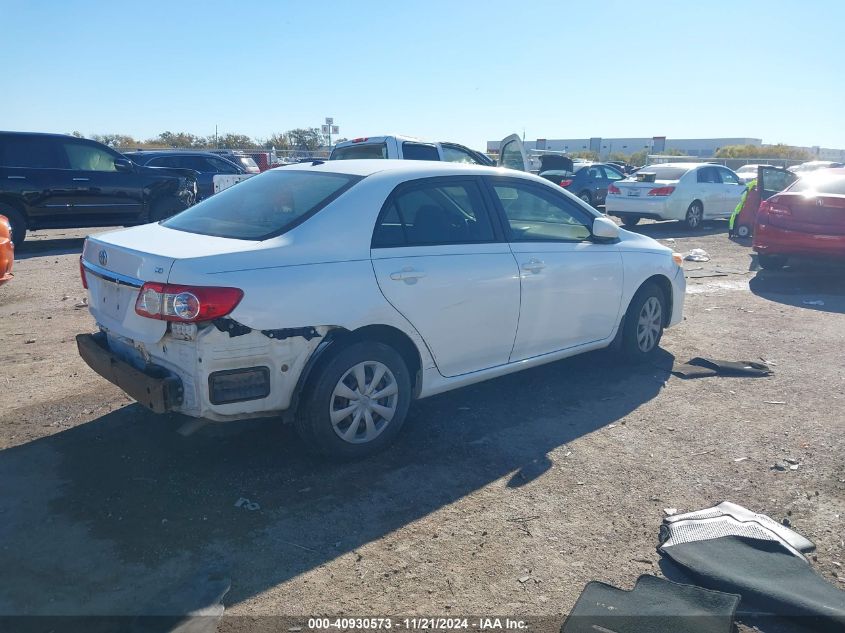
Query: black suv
[(206, 164), (58, 181)]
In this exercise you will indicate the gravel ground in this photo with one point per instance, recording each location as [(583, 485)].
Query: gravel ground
[(502, 498)]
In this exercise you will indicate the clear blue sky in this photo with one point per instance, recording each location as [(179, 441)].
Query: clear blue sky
[(467, 71)]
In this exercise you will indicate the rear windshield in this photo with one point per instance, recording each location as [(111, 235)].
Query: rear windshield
[(352, 152), (262, 206), (824, 184), (664, 172)]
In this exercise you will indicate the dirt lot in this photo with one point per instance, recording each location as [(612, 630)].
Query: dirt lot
[(503, 498)]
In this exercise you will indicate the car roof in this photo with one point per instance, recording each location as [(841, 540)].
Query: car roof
[(171, 152), (681, 165), (422, 168), (381, 138)]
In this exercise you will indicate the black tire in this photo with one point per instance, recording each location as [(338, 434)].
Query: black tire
[(630, 220), (631, 343), (695, 215), (18, 223), (771, 262), (313, 420), (743, 231), (587, 197)]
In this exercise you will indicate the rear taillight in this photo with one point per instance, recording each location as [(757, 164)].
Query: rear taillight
[(82, 273), (565, 182), (661, 191), (613, 189), (188, 304)]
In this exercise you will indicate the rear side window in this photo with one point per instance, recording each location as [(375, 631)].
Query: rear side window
[(35, 152), (263, 206), (419, 151), (708, 175), (363, 151), (434, 213), (826, 184)]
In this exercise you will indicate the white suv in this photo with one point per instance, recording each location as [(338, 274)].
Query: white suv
[(407, 148), (339, 291)]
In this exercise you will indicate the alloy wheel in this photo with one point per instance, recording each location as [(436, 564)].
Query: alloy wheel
[(695, 214)]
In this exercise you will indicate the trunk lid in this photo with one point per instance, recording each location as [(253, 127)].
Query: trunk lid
[(639, 189), (821, 214), (118, 263)]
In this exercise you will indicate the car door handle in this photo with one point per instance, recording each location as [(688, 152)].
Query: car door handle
[(16, 177), (407, 274), (534, 266), (81, 179)]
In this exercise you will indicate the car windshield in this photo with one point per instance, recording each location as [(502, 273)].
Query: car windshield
[(263, 206), (665, 172), (352, 152), (821, 184)]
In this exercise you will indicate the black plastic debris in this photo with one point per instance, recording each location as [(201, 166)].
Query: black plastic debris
[(701, 367), (654, 605)]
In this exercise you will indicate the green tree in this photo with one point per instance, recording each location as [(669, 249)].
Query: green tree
[(309, 139), (277, 140), (766, 151), (638, 158), (115, 140), (586, 154), (236, 141), (673, 152), (177, 139)]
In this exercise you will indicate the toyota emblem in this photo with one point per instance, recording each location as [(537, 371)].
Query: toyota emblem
[(103, 258), (819, 202)]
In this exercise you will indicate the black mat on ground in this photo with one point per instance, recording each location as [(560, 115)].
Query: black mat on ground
[(770, 579), (654, 605), (700, 367)]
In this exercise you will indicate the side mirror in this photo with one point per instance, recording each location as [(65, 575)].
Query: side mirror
[(123, 164), (605, 229)]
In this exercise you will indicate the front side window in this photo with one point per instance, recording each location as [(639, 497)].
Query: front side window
[(535, 215), (419, 151), (434, 213), (512, 156), (454, 154), (84, 157), (263, 206), (728, 177), (612, 174)]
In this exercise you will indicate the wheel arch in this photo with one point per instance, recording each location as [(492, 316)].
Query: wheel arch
[(665, 285), (16, 204), (340, 338)]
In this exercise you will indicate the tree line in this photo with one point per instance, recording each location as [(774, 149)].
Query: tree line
[(308, 139)]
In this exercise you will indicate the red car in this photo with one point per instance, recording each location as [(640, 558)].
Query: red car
[(805, 220), (7, 250)]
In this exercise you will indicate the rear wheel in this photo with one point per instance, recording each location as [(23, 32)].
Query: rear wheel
[(18, 223), (630, 220), (357, 402), (771, 262), (743, 230), (644, 322), (586, 197), (695, 215)]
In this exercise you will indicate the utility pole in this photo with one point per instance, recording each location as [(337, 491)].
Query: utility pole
[(216, 142)]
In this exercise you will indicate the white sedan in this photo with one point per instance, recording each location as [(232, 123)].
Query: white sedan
[(337, 292), (689, 192)]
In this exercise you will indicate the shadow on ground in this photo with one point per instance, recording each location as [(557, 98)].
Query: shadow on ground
[(47, 247), (671, 230), (810, 285), (104, 517)]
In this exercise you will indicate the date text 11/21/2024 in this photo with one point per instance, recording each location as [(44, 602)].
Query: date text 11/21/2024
[(417, 623)]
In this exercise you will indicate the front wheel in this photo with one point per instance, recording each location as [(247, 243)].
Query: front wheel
[(630, 220), (644, 323), (586, 197), (771, 262), (358, 401), (695, 215)]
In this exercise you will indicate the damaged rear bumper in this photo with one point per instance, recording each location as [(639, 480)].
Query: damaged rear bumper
[(155, 388)]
